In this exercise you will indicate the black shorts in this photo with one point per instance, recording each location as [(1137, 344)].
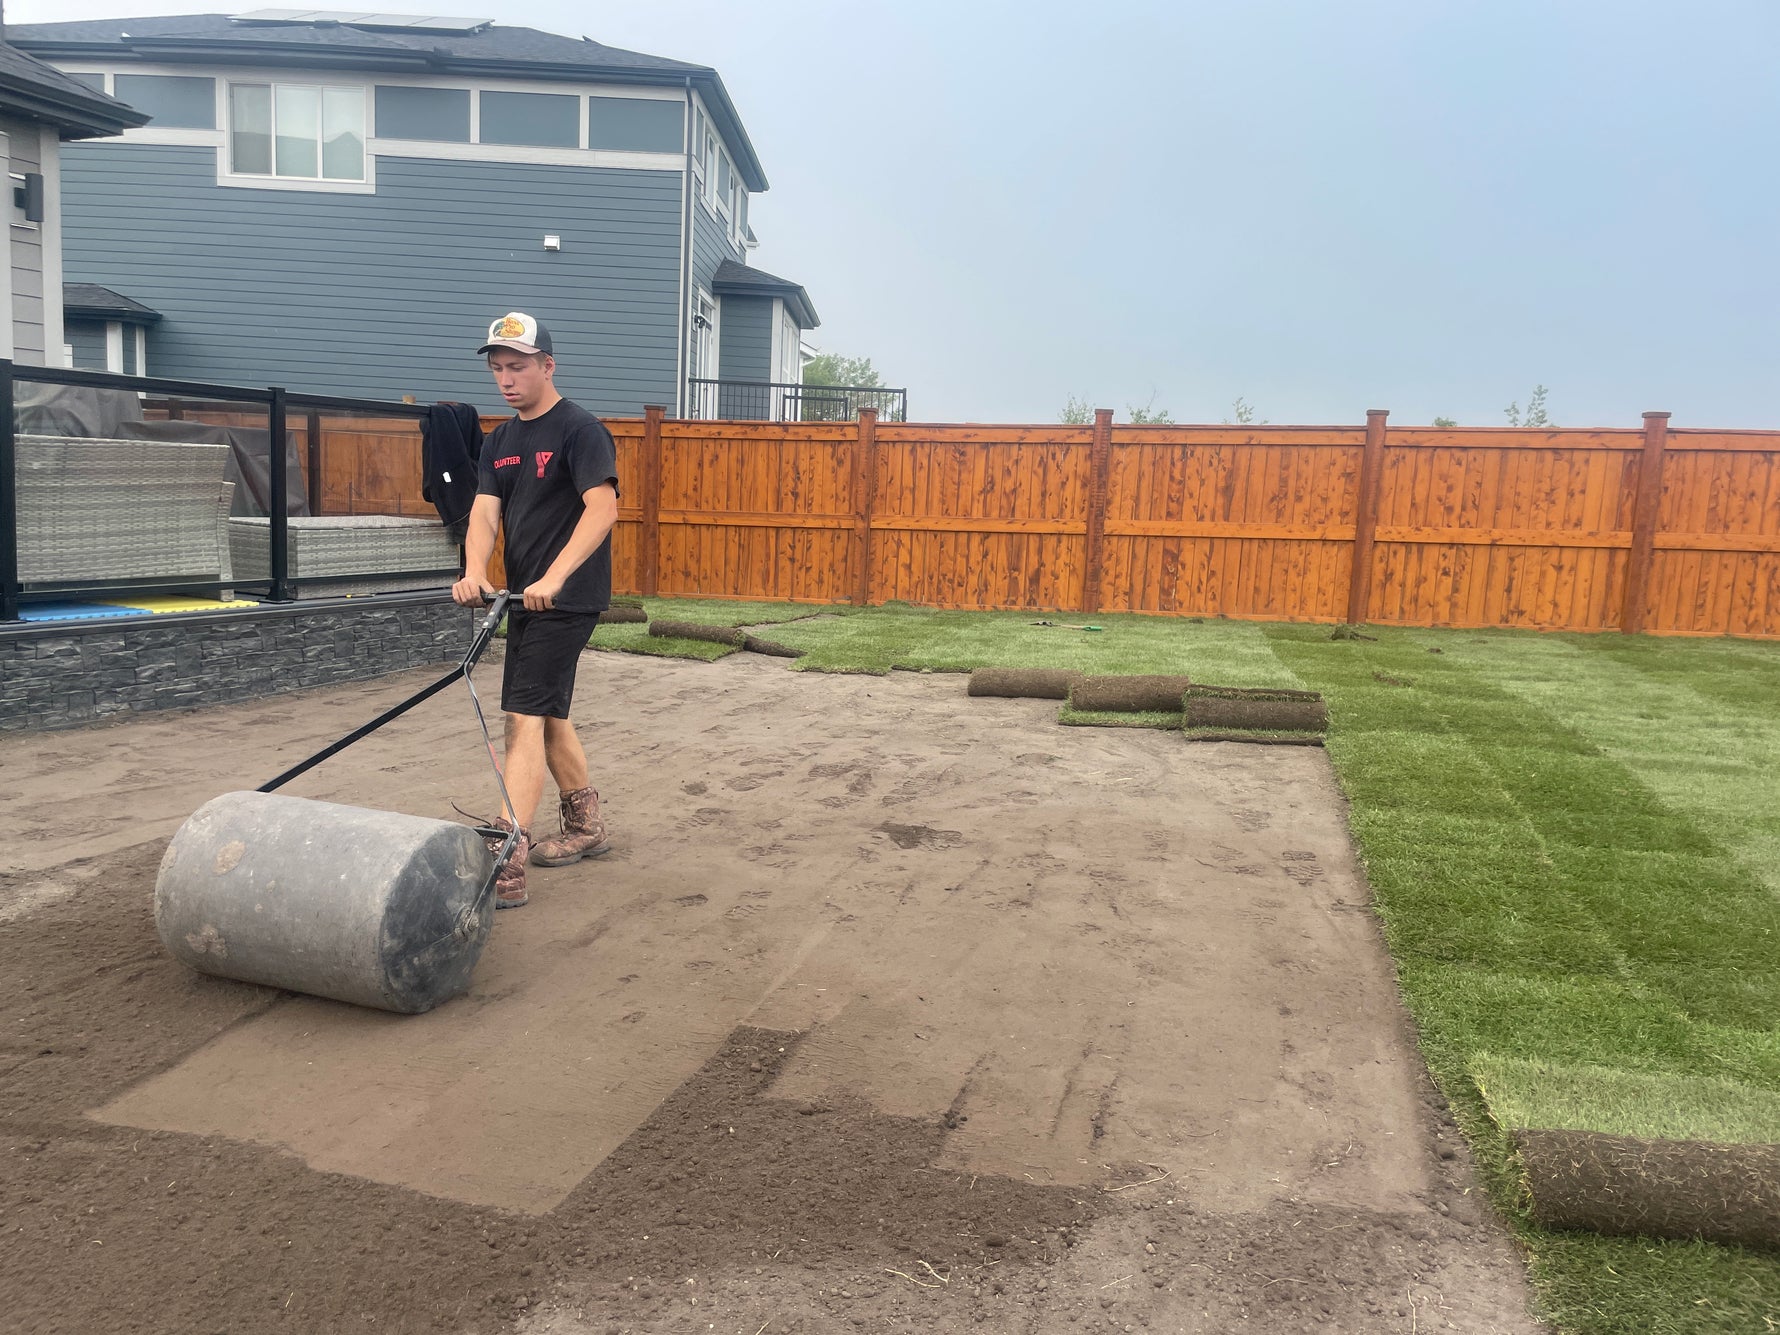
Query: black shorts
[(543, 650)]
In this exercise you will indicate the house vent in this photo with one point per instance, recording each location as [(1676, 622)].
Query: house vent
[(356, 18)]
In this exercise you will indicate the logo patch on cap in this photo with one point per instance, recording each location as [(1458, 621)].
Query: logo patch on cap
[(508, 327)]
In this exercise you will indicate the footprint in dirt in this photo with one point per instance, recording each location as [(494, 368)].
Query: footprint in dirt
[(695, 789), (1251, 819), (920, 836)]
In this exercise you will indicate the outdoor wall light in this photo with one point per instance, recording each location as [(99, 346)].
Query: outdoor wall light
[(552, 242)]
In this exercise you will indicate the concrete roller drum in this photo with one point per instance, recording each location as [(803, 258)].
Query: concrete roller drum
[(372, 907), (375, 908)]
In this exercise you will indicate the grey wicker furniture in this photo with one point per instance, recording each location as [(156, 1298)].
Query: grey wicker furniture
[(372, 548), (120, 511)]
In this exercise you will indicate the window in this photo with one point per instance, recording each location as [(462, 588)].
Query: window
[(175, 101), (302, 131), (441, 115), (635, 124), (539, 120)]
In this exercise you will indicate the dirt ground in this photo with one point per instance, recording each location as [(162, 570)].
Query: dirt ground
[(890, 1010)]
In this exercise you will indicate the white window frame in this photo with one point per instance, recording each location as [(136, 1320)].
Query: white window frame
[(703, 363), (226, 173)]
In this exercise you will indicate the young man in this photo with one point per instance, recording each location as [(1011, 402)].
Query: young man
[(549, 481)]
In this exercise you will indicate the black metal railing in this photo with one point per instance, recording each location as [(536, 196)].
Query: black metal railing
[(780, 401), (274, 404)]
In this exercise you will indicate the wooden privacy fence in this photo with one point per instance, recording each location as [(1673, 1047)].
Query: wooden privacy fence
[(1652, 529)]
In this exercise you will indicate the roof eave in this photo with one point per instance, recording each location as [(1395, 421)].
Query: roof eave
[(73, 118), (118, 313)]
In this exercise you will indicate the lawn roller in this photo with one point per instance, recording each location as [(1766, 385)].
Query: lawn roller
[(371, 907)]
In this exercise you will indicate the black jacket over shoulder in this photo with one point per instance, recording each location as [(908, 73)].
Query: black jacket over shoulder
[(451, 449)]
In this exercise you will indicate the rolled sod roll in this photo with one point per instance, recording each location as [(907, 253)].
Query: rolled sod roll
[(1023, 683), (694, 630), (1129, 695), (1654, 1188), (1266, 710), (617, 615), (755, 645)]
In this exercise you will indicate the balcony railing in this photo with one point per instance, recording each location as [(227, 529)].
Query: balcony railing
[(775, 401)]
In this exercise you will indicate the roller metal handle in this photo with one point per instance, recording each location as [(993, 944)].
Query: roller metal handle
[(497, 609)]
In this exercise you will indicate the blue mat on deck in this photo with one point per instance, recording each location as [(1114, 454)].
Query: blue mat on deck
[(74, 611)]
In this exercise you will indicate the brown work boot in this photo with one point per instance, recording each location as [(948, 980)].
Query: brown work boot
[(583, 832), (509, 881)]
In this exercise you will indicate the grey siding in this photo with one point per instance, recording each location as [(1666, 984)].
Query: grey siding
[(87, 338), (710, 247), (26, 150), (385, 294), (746, 328)]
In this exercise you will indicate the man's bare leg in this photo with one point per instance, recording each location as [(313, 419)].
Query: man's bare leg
[(565, 755)]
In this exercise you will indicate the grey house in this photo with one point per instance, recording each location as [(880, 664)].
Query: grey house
[(40, 109), (339, 203)]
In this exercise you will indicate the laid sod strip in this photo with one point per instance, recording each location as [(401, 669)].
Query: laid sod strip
[(1023, 683), (1254, 737), (1077, 718), (1255, 710), (1549, 893), (693, 630), (1554, 1096), (1653, 1188), (1129, 694), (619, 615)]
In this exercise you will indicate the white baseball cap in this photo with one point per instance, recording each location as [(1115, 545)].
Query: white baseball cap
[(518, 331)]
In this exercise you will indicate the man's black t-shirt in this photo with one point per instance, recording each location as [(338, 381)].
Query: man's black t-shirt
[(539, 470)]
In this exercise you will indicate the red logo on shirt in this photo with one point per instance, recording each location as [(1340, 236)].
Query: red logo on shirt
[(508, 462), (544, 457)]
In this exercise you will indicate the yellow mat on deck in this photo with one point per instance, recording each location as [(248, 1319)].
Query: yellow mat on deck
[(176, 604)]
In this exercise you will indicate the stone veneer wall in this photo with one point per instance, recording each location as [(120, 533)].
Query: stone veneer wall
[(64, 674)]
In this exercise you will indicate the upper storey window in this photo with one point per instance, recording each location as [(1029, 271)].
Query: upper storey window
[(297, 131)]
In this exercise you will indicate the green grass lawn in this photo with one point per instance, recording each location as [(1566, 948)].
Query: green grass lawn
[(1574, 845)]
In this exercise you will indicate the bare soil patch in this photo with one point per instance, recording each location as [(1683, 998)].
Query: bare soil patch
[(890, 1010)]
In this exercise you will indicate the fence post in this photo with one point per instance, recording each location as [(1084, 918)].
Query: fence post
[(1644, 516), (1094, 549), (9, 499), (1359, 588), (278, 496), (865, 486), (649, 549)]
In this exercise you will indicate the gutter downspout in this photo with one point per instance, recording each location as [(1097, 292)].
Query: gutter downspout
[(680, 386)]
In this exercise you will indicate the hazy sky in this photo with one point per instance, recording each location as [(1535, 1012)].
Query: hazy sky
[(1319, 206)]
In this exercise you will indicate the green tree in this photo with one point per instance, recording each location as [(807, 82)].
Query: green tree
[(1444, 421), (1534, 415), (832, 368), (1076, 412), (1243, 414)]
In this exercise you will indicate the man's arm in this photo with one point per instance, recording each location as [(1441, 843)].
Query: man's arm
[(485, 521), (596, 522)]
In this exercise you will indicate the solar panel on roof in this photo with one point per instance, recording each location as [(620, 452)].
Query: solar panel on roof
[(358, 18)]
